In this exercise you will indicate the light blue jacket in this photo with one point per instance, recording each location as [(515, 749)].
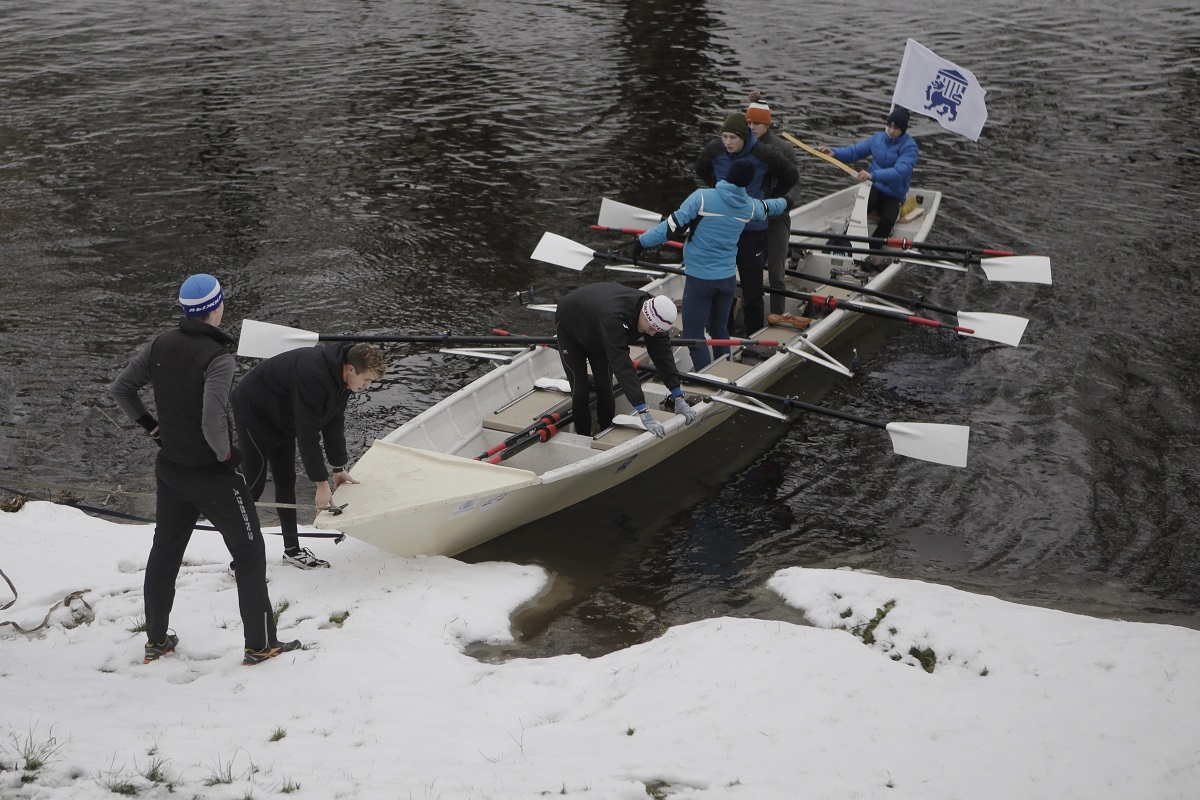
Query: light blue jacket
[(719, 215), (892, 161)]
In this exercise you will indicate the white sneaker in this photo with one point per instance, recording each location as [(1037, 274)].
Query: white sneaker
[(304, 559)]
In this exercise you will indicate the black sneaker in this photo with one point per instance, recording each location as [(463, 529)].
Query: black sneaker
[(304, 559), (156, 651), (253, 657)]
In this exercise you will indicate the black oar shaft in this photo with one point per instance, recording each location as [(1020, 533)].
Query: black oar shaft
[(967, 259), (788, 402), (912, 302), (905, 244)]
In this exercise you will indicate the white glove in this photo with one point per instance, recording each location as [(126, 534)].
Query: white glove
[(682, 407), (653, 425)]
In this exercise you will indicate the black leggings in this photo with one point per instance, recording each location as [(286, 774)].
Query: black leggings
[(889, 212), (575, 362), (184, 493), (281, 459)]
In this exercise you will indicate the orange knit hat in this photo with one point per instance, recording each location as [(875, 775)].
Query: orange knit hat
[(759, 112)]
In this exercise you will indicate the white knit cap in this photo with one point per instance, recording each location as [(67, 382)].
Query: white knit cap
[(660, 312)]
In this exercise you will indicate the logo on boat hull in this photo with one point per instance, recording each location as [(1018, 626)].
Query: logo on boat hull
[(624, 465)]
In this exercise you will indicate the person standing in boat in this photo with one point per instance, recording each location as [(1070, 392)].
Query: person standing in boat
[(711, 221), (191, 371), (774, 176), (758, 117), (893, 155), (595, 325), (299, 398)]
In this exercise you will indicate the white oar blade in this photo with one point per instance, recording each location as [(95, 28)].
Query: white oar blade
[(619, 215), (266, 339), (562, 252), (1003, 328), (550, 307), (1017, 269), (929, 441), (626, 421)]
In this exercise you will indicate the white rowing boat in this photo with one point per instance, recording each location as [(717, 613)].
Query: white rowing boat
[(423, 492)]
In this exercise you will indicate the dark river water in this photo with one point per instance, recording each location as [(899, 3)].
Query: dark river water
[(384, 166)]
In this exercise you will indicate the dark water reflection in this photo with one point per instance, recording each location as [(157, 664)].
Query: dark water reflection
[(360, 167)]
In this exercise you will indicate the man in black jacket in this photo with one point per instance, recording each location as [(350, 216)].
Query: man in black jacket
[(596, 324), (191, 370), (299, 398)]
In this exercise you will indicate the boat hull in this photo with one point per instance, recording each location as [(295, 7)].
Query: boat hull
[(422, 492)]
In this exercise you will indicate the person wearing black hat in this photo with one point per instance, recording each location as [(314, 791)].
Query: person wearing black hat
[(710, 251), (774, 177), (191, 370), (893, 155)]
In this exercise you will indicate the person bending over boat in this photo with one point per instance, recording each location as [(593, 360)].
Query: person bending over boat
[(191, 370), (893, 155), (299, 398), (774, 176), (711, 222), (595, 325), (779, 226)]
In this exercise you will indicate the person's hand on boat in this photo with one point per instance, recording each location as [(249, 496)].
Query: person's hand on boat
[(682, 407), (324, 497), (342, 477), (862, 176), (652, 425)]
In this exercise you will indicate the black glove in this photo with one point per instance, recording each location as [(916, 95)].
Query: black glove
[(788, 204), (637, 250), (234, 460), (148, 422)]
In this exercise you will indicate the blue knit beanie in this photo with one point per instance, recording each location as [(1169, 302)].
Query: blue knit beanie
[(200, 294), (740, 173)]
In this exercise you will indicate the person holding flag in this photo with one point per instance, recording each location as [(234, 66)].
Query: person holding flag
[(893, 156)]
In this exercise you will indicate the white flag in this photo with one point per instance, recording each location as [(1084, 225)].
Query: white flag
[(937, 88)]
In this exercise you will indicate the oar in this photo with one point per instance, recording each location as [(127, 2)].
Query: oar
[(814, 151), (1012, 269), (563, 252), (266, 339), (905, 244), (1001, 328), (1006, 268), (927, 441), (684, 342), (545, 427)]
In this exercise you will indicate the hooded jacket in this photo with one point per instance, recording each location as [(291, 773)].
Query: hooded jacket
[(892, 161), (719, 216), (774, 174), (299, 395)]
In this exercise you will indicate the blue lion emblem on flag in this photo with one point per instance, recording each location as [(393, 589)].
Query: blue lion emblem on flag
[(945, 93)]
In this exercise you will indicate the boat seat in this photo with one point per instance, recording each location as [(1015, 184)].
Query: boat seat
[(731, 370), (613, 436), (524, 412)]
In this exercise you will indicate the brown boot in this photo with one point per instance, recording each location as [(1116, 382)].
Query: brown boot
[(789, 319)]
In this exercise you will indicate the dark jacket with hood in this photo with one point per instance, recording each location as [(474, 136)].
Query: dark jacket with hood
[(774, 173), (603, 318), (301, 395)]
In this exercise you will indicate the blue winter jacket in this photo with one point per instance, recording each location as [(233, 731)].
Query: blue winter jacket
[(720, 214), (892, 161)]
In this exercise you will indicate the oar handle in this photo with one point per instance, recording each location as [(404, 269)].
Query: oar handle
[(815, 152), (635, 232)]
